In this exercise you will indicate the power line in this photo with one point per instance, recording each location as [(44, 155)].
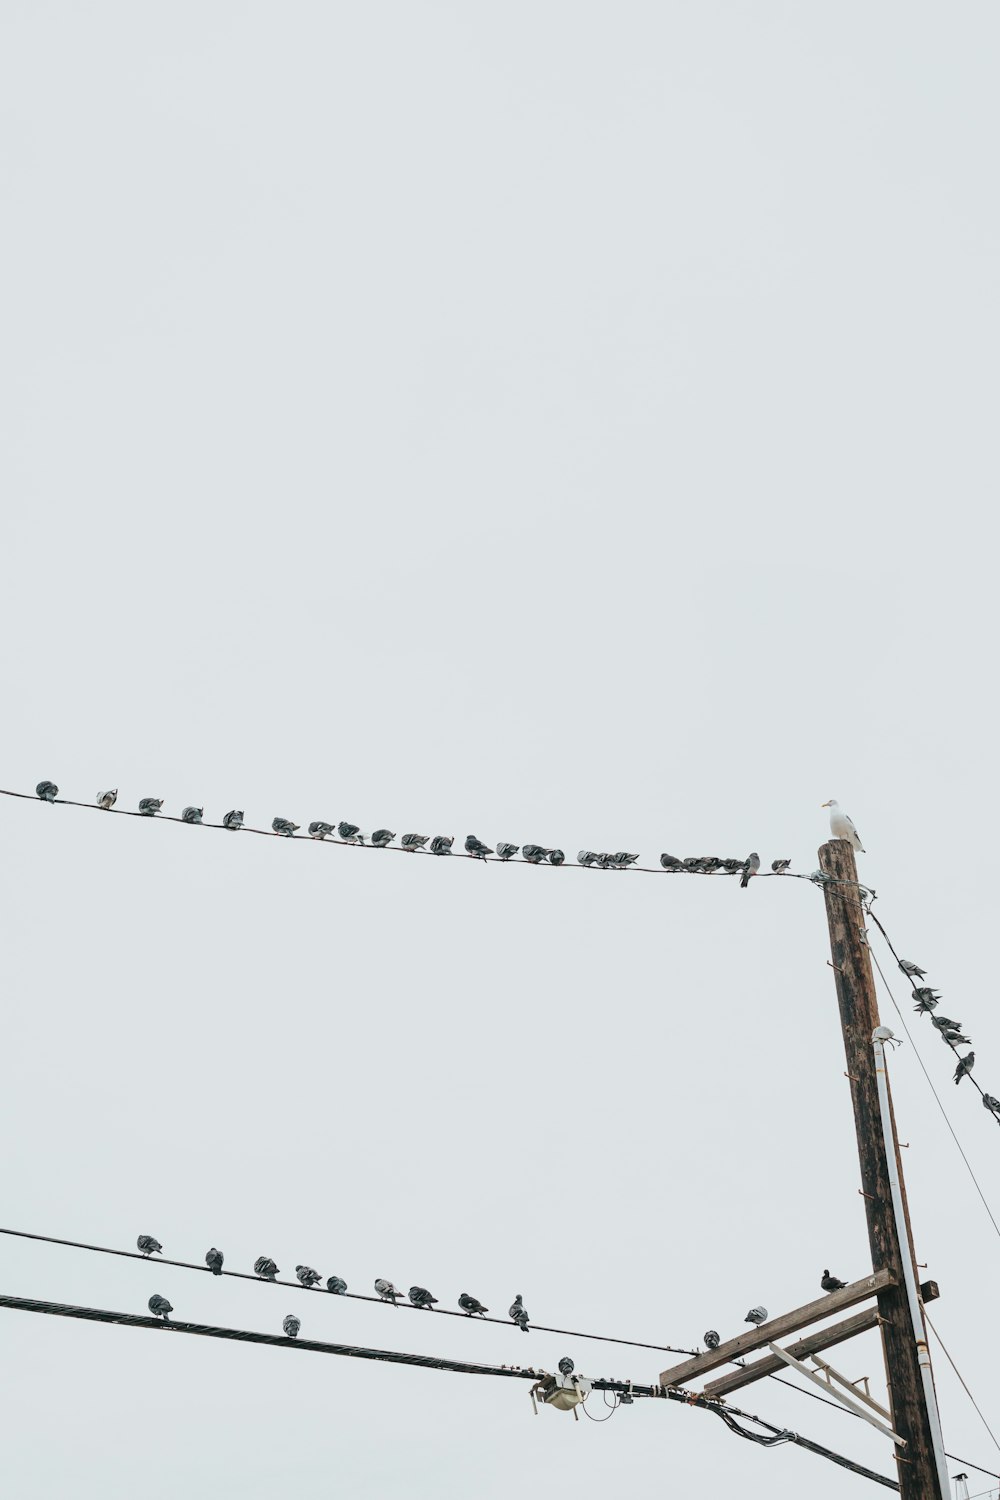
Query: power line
[(965, 1388)]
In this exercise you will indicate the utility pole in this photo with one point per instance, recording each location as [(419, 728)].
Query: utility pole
[(917, 1466)]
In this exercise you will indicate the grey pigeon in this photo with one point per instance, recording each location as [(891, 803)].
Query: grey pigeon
[(320, 830), (47, 791), (150, 806), (831, 1283), (233, 819), (507, 851), (518, 1313), (912, 971), (566, 1365), (993, 1105), (712, 1340), (710, 863), (621, 860), (284, 826), (954, 1037), (382, 837), (693, 863), (586, 857), (107, 800), (291, 1325), (192, 814), (148, 1245), (337, 1285), (965, 1066), (756, 1315), (945, 1023), (750, 867), (421, 1297), (926, 998), (534, 853), (476, 847), (159, 1307), (779, 866), (350, 833), (732, 866), (265, 1268), (307, 1276), (470, 1306), (605, 861), (213, 1260), (669, 862), (413, 841), (441, 844), (556, 857), (386, 1290)]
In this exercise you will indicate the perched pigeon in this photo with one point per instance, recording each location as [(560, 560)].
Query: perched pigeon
[(750, 867), (831, 1283), (945, 1023), (159, 1307), (441, 844), (47, 790), (732, 866), (586, 857), (954, 1037), (556, 857), (965, 1066), (291, 1325), (710, 863), (233, 819), (621, 860), (337, 1285), (669, 862), (712, 1340), (213, 1260), (284, 826), (534, 853), (148, 1245), (381, 837), (150, 806), (566, 1365), (476, 847), (470, 1305), (756, 1315), (507, 851), (912, 971), (841, 826), (692, 863), (779, 866), (993, 1105), (518, 1314), (421, 1297), (350, 833), (320, 830), (107, 799), (308, 1276), (386, 1290), (413, 841), (265, 1268), (926, 998), (192, 814)]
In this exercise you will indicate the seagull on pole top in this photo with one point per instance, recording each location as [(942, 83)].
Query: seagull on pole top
[(471, 1306), (265, 1268), (386, 1290), (148, 1245), (159, 1307), (150, 806), (307, 1276), (213, 1260), (291, 1325), (750, 867), (712, 1340), (284, 826), (233, 819), (192, 814), (107, 800), (965, 1066), (413, 841), (912, 971), (421, 1297), (476, 847), (382, 837), (831, 1283), (47, 791), (841, 826), (756, 1315)]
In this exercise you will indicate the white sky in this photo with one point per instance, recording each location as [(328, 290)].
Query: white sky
[(565, 422)]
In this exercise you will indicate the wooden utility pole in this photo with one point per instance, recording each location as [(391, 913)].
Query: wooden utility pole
[(916, 1463)]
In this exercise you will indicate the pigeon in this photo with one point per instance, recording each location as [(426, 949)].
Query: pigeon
[(750, 867), (534, 853), (507, 851), (710, 863), (386, 1290), (381, 837), (517, 1313), (350, 833), (291, 1325), (159, 1307), (307, 1276), (148, 1245), (712, 1340), (284, 826), (213, 1260), (556, 857), (150, 806), (470, 1306), (107, 799), (669, 862), (566, 1365), (926, 998), (692, 863), (47, 791), (421, 1297), (337, 1285), (441, 844), (965, 1066), (756, 1315), (233, 819), (954, 1037), (945, 1023), (912, 971), (265, 1268), (841, 826), (586, 857), (831, 1283), (192, 814), (320, 830), (621, 860), (779, 866), (732, 866), (993, 1105), (413, 841), (476, 847)]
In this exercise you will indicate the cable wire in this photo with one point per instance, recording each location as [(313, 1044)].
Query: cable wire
[(965, 1388)]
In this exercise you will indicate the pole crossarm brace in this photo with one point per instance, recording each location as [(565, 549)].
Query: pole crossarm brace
[(851, 1386), (778, 1328), (859, 1409)]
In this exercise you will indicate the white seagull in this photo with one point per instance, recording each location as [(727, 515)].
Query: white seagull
[(841, 826)]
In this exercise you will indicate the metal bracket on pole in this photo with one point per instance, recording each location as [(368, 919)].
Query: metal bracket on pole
[(855, 1406)]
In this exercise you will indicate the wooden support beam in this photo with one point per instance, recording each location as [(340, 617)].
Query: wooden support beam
[(851, 1404), (778, 1328)]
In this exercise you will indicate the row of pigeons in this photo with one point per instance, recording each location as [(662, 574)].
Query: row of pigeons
[(927, 998), (758, 1315)]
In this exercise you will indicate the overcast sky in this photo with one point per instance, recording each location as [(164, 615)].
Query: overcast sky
[(565, 422)]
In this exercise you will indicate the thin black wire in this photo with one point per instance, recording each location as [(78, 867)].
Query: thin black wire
[(447, 1312), (965, 1388)]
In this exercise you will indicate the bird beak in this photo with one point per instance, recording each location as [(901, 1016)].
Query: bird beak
[(824, 804)]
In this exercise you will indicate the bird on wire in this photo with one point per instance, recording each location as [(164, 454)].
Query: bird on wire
[(750, 867), (382, 837), (107, 800), (213, 1260), (779, 866), (320, 830), (421, 1297), (945, 1023), (841, 826), (566, 1365), (192, 814), (441, 844), (471, 1305), (831, 1283), (308, 1277), (413, 841), (150, 806), (756, 1315), (993, 1105), (148, 1245), (586, 857), (557, 857), (159, 1307), (534, 853), (668, 861), (291, 1325), (507, 851), (476, 847), (337, 1285), (912, 971), (954, 1037), (621, 860), (265, 1268), (47, 791), (386, 1290), (233, 819), (712, 1340), (350, 833), (284, 826), (732, 866), (965, 1066), (518, 1314), (926, 998)]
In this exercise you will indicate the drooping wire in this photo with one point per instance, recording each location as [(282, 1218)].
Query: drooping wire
[(961, 1381)]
